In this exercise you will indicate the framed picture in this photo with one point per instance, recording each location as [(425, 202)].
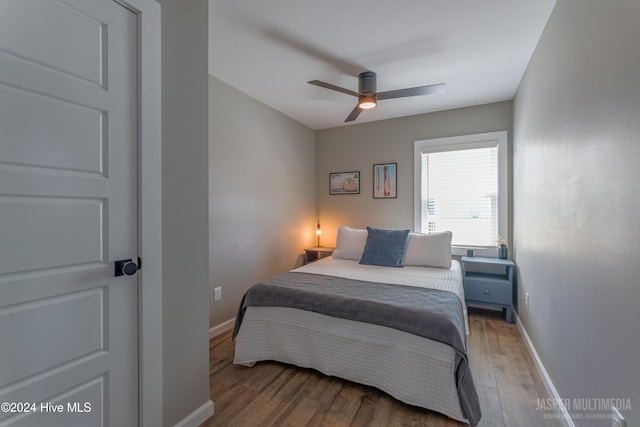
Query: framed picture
[(384, 181), (344, 183)]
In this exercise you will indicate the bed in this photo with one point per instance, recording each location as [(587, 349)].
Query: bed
[(367, 345)]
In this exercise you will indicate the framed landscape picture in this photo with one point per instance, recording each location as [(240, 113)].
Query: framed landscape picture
[(384, 181), (344, 183)]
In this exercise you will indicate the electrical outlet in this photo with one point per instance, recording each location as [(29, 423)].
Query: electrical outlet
[(217, 294), (617, 420), (526, 300)]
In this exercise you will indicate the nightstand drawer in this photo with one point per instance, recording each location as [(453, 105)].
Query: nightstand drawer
[(483, 290)]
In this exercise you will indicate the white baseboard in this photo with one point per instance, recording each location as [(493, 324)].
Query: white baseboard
[(198, 416), (221, 328), (546, 379)]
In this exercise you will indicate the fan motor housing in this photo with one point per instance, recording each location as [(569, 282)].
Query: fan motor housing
[(367, 83)]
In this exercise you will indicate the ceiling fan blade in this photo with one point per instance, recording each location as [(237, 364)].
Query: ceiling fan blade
[(412, 91), (354, 114), (333, 87)]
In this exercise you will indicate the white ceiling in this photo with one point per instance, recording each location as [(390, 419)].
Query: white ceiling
[(269, 49)]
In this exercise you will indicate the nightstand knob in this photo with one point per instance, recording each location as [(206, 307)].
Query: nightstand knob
[(486, 291)]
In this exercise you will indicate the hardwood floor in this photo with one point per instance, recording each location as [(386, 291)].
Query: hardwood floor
[(275, 394)]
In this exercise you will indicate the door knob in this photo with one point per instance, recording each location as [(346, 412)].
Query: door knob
[(125, 267)]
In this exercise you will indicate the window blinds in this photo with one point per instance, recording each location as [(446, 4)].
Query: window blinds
[(460, 192)]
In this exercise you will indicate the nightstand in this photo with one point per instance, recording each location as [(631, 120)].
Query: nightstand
[(488, 282), (317, 252)]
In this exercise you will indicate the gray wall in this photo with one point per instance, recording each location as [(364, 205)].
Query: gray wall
[(184, 208), (359, 147), (262, 200), (576, 180)]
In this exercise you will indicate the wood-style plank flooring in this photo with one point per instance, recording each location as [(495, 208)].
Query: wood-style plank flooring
[(276, 394)]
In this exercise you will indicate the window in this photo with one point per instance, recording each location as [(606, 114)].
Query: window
[(461, 186)]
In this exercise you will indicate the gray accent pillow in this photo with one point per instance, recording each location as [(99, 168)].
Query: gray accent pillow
[(385, 247)]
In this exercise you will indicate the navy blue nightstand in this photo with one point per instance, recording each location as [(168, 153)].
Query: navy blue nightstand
[(488, 282)]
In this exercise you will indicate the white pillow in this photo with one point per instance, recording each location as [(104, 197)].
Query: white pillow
[(350, 243), (429, 250)]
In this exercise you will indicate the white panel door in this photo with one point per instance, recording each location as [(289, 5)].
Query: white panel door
[(68, 210)]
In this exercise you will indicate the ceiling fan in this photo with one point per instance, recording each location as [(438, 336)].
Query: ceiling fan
[(368, 97)]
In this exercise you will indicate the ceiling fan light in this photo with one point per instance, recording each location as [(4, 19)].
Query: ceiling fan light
[(366, 102)]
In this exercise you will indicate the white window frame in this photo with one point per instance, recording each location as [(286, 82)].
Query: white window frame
[(455, 142)]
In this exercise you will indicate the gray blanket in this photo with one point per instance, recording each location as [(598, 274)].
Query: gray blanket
[(429, 313)]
